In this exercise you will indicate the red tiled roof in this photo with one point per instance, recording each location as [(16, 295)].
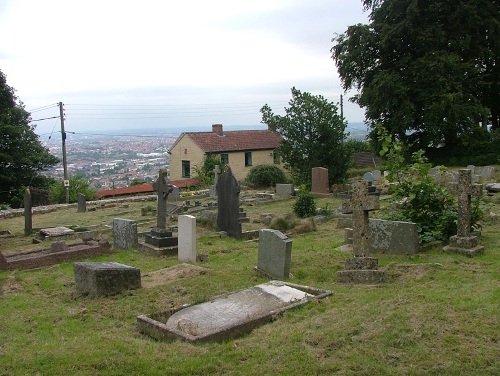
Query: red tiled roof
[(235, 140), (143, 188)]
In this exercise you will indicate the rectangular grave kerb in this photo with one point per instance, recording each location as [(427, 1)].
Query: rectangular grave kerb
[(105, 278)]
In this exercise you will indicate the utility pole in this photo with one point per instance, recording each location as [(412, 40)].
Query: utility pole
[(65, 163)]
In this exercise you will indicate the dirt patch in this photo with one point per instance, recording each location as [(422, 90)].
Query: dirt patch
[(163, 276), (409, 272), (10, 286)]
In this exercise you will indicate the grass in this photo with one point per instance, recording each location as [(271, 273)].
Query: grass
[(437, 315)]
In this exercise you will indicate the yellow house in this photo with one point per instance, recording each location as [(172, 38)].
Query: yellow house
[(239, 149)]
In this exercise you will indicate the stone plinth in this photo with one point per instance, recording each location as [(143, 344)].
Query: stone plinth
[(124, 233), (464, 245), (362, 270), (159, 237), (105, 278)]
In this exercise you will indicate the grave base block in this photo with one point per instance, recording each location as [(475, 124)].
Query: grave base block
[(367, 277), (469, 252), (152, 250), (105, 278)]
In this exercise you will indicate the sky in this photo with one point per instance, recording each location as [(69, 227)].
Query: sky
[(119, 64)]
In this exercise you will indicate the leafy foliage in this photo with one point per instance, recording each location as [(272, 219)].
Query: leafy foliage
[(22, 156), (263, 176), (77, 184), (313, 136), (305, 205), (427, 70), (205, 173)]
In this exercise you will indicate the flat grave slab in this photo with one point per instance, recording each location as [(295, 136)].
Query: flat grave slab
[(231, 315)]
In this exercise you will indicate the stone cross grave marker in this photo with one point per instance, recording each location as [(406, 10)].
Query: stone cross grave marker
[(28, 214), (228, 207), (360, 205), (464, 189), (213, 188), (163, 188)]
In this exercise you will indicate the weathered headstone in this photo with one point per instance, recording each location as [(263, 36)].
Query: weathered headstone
[(377, 175), (213, 188), (28, 214), (175, 195), (162, 188), (487, 172), (285, 189), (124, 233), (464, 242), (472, 168), (105, 278), (361, 269), (187, 238), (228, 207), (82, 203), (320, 185), (275, 253), (59, 246), (368, 176)]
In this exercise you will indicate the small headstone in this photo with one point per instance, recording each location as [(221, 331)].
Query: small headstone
[(187, 238), (275, 253), (175, 195), (487, 172), (285, 189), (52, 232), (58, 247), (28, 214), (472, 168), (464, 242), (124, 233), (377, 175), (368, 176), (320, 184), (105, 278), (82, 203), (228, 207)]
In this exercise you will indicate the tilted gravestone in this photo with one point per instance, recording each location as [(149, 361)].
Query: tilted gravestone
[(105, 278), (82, 203), (228, 206), (464, 242), (124, 233), (361, 269), (275, 254), (28, 214), (320, 185), (187, 238)]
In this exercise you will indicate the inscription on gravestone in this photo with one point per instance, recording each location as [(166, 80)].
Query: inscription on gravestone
[(228, 207)]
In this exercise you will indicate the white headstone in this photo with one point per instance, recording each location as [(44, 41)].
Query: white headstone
[(187, 238)]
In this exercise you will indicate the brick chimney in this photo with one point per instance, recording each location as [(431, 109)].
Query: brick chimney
[(217, 128)]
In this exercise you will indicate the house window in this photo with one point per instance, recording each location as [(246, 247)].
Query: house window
[(276, 157), (248, 158), (224, 158), (186, 169)]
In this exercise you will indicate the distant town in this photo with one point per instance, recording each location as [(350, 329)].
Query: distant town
[(121, 158)]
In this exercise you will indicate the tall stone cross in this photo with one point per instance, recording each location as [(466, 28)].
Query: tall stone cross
[(464, 189), (360, 205), (163, 189), (217, 171)]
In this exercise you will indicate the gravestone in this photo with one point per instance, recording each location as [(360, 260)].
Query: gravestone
[(187, 238), (320, 185), (275, 254), (175, 195), (361, 269), (28, 213), (213, 187), (472, 168), (368, 176), (377, 175), (82, 203), (285, 189), (160, 237), (228, 206), (487, 172), (105, 278), (124, 233), (464, 242)]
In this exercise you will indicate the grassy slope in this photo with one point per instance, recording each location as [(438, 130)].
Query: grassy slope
[(439, 314)]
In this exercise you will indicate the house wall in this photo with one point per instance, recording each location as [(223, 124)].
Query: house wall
[(185, 149), (259, 157)]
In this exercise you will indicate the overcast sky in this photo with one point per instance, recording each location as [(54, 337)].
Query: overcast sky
[(152, 63)]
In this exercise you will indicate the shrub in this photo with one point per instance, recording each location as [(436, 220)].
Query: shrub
[(77, 184), (263, 176), (305, 205)]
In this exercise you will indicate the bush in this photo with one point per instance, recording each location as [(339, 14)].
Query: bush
[(264, 176), (305, 205), (77, 184)]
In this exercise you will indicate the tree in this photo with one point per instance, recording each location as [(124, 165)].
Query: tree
[(22, 156), (426, 70), (77, 184), (313, 136)]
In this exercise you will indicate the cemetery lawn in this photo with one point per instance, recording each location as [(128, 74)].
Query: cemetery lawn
[(438, 314)]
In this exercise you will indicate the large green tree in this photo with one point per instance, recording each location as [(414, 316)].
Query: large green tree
[(22, 156), (313, 136), (427, 70)]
